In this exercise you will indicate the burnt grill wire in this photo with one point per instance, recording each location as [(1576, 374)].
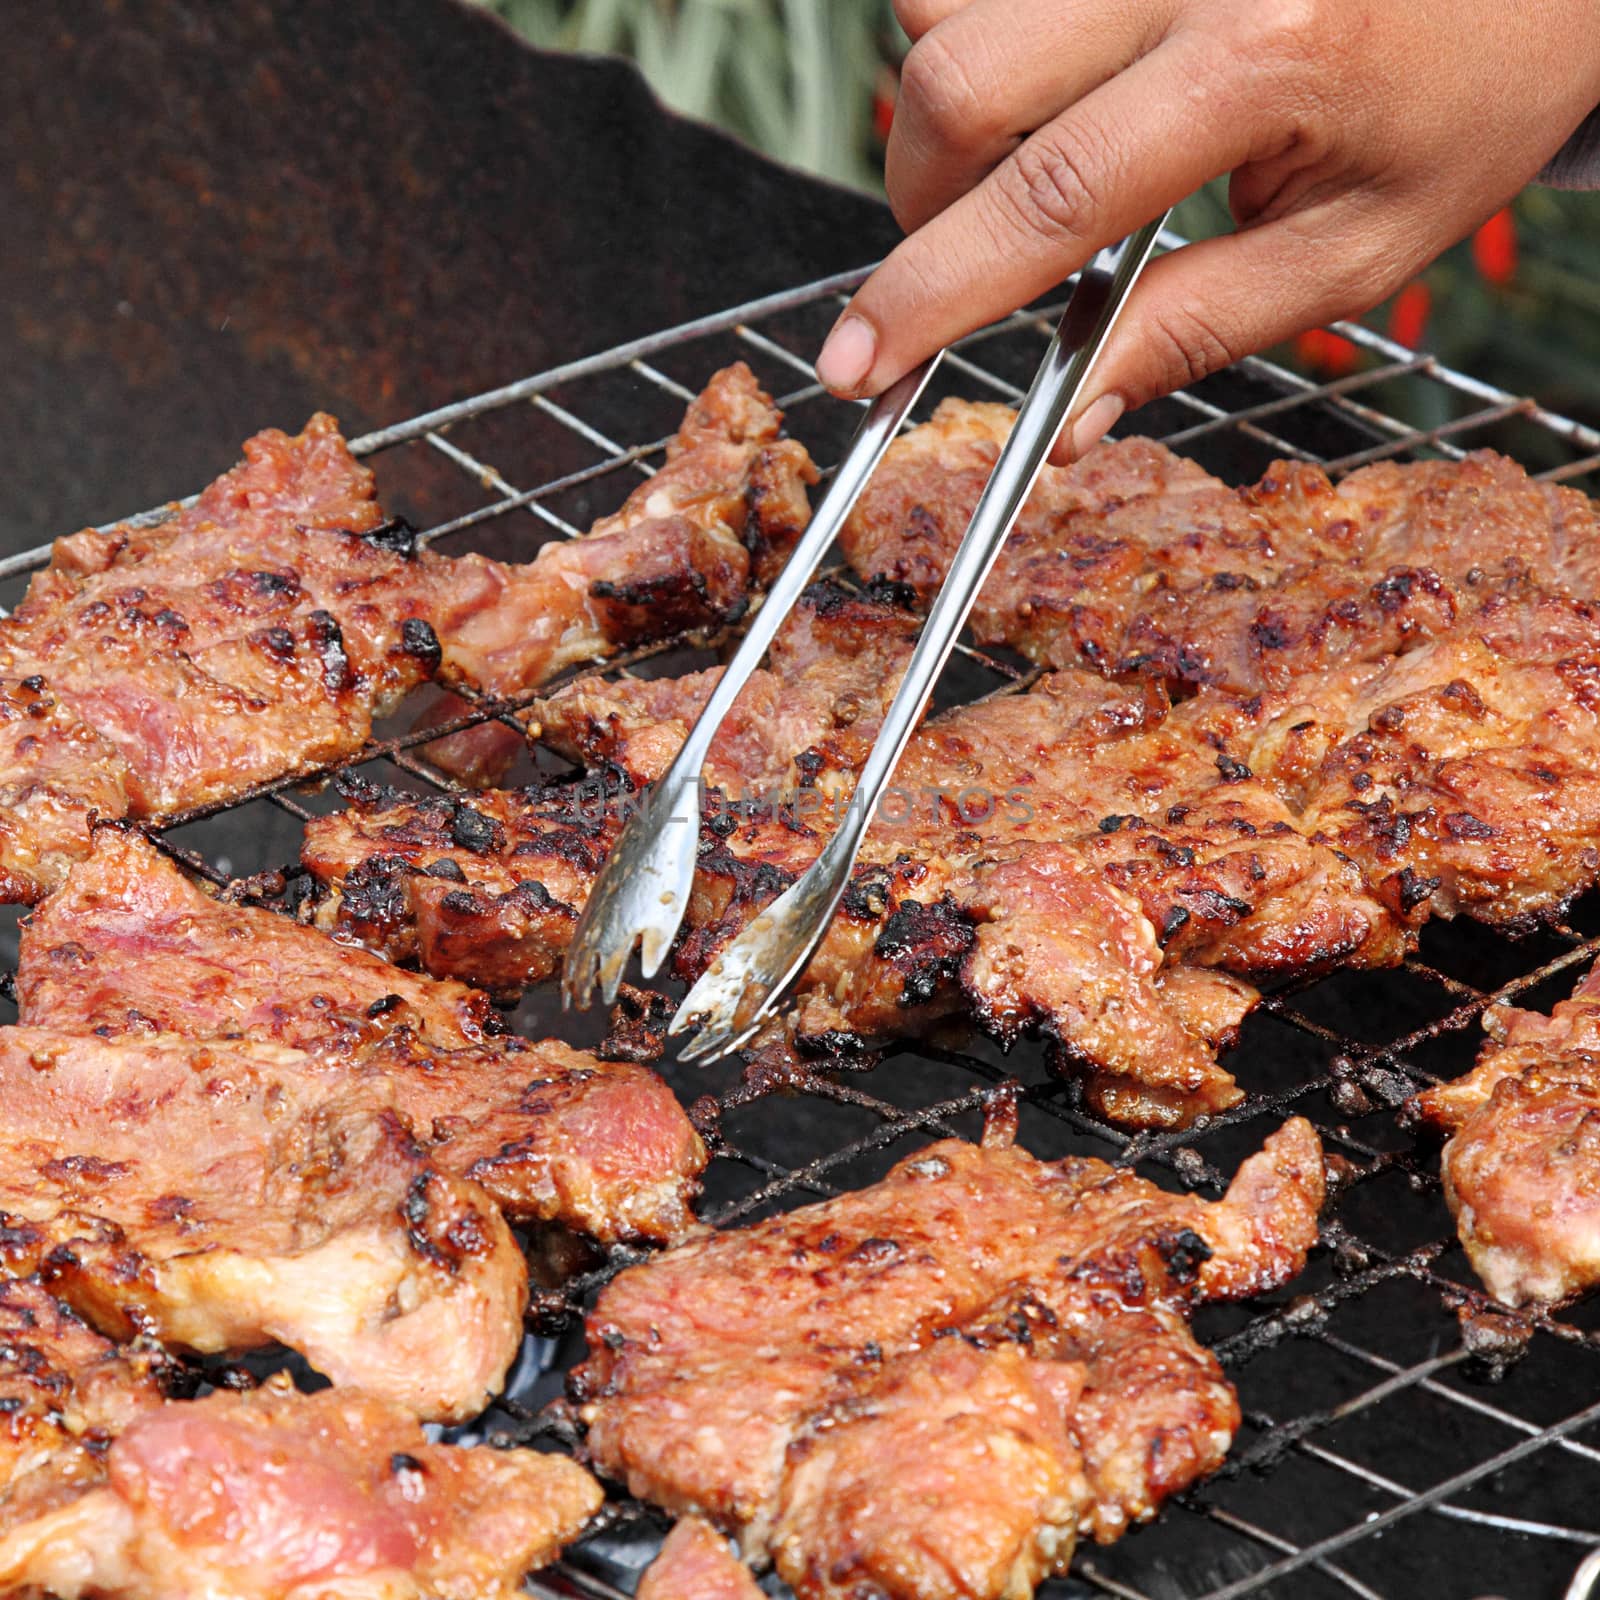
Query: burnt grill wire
[(1373, 1456)]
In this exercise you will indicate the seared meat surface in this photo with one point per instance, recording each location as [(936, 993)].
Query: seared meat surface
[(129, 945), (1080, 860), (930, 1387), (1522, 1154), (689, 548), (194, 1498), (1460, 777), (64, 1393), (1061, 860), (1136, 560), (220, 1197), (696, 1564), (489, 887), (251, 634), (258, 632), (56, 775), (815, 708)]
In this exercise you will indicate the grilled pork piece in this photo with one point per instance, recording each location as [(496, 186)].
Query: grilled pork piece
[(930, 1387), (129, 945), (489, 888), (249, 635), (1460, 777), (1134, 559), (276, 1495), (64, 1392), (696, 1564), (258, 632), (687, 549), (1522, 1153), (56, 775), (221, 1197), (1082, 860)]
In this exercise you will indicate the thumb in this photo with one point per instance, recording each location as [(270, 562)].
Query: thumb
[(1207, 305)]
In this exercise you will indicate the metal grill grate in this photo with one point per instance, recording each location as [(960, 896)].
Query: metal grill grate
[(1375, 1456)]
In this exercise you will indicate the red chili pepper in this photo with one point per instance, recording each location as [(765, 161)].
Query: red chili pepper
[(1494, 248), (1408, 316), (1328, 353), (883, 101)]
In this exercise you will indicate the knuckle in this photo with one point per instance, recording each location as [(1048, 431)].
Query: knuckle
[(1273, 26), (937, 82), (1290, 52), (1050, 186), (1189, 348)]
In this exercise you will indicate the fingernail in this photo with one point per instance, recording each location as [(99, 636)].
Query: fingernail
[(847, 355), (1095, 423)]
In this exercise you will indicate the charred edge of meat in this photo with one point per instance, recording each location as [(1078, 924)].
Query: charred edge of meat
[(375, 892), (638, 1027), (674, 593), (20, 1241), (397, 536), (926, 945), (1395, 589), (328, 637), (1184, 1253), (444, 1240), (472, 831), (1414, 889), (837, 1046), (754, 882), (766, 528), (415, 1211), (866, 896), (825, 598), (366, 794), (421, 643), (886, 591)]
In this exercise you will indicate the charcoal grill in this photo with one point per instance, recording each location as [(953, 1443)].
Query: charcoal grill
[(1398, 1426)]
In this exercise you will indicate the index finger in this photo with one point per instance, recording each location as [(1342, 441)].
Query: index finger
[(1136, 145)]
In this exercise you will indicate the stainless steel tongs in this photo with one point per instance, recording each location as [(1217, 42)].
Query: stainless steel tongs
[(643, 889)]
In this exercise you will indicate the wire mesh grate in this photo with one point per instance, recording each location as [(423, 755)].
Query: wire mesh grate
[(1375, 1456)]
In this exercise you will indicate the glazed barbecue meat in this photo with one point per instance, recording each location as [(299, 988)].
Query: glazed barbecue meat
[(1522, 1153), (815, 708), (489, 888), (1080, 860), (130, 945), (1136, 560), (258, 632), (56, 775), (221, 1197), (194, 1499), (1459, 777), (689, 548), (696, 1564), (486, 887), (930, 1387), (64, 1392), (252, 634)]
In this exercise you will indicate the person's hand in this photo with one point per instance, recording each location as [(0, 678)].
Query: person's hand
[(1363, 137)]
